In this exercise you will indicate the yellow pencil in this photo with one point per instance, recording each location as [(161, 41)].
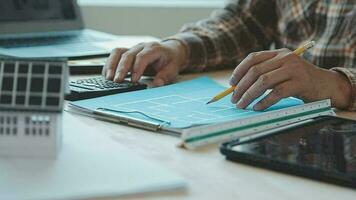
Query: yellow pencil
[(298, 51)]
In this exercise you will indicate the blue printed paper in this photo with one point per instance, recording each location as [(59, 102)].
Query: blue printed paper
[(180, 105)]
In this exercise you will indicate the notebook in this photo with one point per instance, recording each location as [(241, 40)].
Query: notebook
[(177, 107)]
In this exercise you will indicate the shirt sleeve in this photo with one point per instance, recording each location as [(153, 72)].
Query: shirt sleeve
[(224, 39), (348, 33)]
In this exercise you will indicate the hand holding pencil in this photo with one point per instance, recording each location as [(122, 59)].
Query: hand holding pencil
[(226, 92), (286, 74)]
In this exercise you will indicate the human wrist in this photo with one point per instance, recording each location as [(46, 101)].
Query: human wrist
[(341, 94), (179, 52)]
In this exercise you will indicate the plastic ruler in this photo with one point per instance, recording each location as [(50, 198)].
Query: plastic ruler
[(207, 134)]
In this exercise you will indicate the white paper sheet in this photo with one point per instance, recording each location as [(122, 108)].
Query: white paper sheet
[(89, 165)]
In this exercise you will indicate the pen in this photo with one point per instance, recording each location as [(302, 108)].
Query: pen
[(298, 51)]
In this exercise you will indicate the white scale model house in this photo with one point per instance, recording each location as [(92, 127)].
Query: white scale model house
[(31, 104)]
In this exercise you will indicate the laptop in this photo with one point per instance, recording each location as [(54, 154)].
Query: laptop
[(49, 28)]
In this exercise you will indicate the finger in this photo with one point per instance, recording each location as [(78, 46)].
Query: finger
[(264, 82), (252, 75), (111, 63), (153, 68), (150, 71), (283, 90), (146, 57), (167, 75), (257, 70), (126, 62), (250, 60)]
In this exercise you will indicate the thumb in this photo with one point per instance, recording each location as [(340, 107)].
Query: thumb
[(166, 75)]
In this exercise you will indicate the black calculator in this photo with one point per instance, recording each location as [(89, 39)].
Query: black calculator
[(99, 86)]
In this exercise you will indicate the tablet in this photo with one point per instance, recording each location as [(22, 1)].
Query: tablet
[(323, 149)]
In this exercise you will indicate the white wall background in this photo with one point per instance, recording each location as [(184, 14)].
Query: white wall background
[(158, 18)]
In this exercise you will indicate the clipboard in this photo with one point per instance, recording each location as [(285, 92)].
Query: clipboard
[(180, 109)]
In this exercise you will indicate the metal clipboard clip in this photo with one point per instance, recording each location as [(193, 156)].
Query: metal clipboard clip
[(122, 117)]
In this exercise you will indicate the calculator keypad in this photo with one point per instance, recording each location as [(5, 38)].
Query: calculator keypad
[(99, 86), (100, 83)]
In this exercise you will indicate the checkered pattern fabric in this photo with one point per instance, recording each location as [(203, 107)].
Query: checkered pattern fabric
[(244, 26)]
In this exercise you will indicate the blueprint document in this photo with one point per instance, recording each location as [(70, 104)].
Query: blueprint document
[(179, 105)]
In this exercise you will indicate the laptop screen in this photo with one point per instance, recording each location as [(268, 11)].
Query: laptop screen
[(38, 16), (36, 10)]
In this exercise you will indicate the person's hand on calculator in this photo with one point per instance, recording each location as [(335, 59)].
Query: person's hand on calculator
[(164, 60)]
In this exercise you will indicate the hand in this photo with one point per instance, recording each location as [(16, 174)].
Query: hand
[(164, 60), (287, 75)]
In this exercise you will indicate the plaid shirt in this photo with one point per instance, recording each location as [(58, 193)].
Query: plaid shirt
[(244, 26)]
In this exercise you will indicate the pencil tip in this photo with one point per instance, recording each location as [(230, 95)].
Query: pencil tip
[(209, 102)]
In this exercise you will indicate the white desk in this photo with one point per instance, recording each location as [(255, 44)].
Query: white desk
[(209, 175)]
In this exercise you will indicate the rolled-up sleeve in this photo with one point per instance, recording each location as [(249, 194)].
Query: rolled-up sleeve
[(347, 59), (224, 39)]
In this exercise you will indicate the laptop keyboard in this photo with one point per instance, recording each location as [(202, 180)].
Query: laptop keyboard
[(50, 40)]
